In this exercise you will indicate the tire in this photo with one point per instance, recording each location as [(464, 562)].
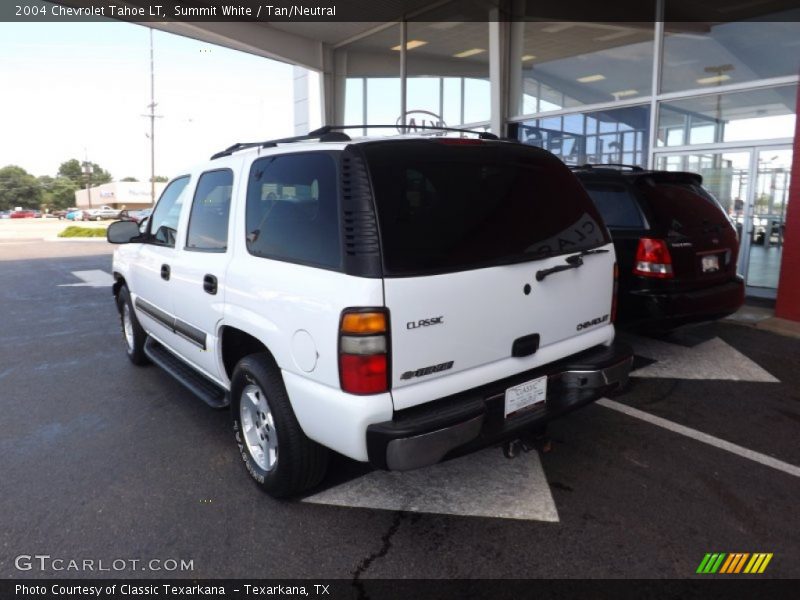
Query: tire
[(133, 334), (276, 453)]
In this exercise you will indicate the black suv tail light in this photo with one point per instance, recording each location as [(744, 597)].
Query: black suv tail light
[(653, 259)]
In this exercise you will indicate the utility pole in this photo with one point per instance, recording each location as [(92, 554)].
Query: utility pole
[(87, 171), (152, 116)]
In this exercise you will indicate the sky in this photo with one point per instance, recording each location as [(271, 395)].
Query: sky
[(78, 90)]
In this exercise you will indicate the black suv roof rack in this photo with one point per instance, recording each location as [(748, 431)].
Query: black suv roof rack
[(589, 166), (332, 133)]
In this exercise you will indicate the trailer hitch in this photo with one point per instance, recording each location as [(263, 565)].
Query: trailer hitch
[(536, 439)]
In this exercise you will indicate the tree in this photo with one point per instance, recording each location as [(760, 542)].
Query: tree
[(61, 194), (73, 170), (129, 179), (159, 179), (18, 188)]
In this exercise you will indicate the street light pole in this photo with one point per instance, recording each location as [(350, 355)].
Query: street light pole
[(152, 116), (152, 125), (87, 171)]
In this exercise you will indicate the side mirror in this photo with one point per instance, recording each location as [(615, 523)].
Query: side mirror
[(122, 232)]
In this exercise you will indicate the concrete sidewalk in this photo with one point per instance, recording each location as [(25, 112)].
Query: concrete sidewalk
[(763, 317)]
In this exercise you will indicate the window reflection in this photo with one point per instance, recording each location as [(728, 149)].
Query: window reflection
[(563, 64), (701, 54), (609, 136), (734, 117)]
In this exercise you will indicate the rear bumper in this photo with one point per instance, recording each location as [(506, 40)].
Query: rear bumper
[(650, 309), (426, 434)]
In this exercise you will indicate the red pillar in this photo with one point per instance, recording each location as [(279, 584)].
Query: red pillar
[(788, 302)]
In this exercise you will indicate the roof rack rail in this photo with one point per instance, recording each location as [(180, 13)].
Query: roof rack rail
[(590, 166), (323, 134), (484, 135), (332, 133)]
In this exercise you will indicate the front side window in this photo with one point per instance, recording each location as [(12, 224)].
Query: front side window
[(164, 221), (292, 209), (208, 222)]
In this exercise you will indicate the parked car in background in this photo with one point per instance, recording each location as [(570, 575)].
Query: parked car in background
[(135, 215), (62, 214), (23, 214), (676, 248), (5, 214), (77, 215), (104, 212)]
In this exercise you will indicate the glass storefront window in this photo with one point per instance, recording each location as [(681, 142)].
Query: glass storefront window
[(448, 73), (609, 136), (368, 80), (735, 117), (564, 64), (701, 54)]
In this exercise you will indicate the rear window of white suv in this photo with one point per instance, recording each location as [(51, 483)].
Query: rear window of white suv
[(448, 205)]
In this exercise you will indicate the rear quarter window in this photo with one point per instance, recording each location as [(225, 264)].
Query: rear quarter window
[(292, 209)]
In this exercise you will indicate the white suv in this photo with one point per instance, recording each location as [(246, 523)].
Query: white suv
[(397, 300)]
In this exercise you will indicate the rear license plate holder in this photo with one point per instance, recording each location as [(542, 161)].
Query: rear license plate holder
[(525, 396), (709, 263)]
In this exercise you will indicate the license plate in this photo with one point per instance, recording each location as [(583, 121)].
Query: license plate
[(710, 263), (526, 395)]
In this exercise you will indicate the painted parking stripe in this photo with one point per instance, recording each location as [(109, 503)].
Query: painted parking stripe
[(93, 278), (484, 484), (702, 437)]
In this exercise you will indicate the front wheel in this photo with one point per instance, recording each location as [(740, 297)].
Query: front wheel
[(276, 453), (132, 331)]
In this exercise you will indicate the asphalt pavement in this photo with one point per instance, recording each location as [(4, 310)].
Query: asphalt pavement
[(103, 460)]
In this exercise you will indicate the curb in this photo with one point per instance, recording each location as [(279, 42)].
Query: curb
[(74, 239)]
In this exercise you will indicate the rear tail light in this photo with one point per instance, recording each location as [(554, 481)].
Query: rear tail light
[(364, 351), (614, 295), (653, 259)]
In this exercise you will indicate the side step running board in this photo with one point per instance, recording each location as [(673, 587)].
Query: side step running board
[(200, 385)]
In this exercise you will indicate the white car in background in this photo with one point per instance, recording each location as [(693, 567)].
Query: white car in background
[(102, 213)]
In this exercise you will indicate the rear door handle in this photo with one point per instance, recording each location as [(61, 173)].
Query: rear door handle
[(165, 272), (210, 284)]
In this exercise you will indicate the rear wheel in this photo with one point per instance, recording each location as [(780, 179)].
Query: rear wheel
[(276, 453), (132, 332)]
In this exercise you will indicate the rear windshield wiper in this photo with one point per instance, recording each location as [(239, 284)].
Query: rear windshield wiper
[(573, 262)]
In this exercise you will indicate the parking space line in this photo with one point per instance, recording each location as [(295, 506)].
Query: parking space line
[(702, 437)]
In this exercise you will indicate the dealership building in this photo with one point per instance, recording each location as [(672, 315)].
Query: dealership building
[(714, 93), (131, 195)]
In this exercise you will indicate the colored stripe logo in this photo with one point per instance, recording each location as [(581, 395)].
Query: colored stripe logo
[(734, 563)]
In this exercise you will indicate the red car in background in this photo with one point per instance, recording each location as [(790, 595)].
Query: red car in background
[(23, 214)]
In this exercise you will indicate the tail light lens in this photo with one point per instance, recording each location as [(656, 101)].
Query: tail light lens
[(364, 351), (653, 259), (614, 295)]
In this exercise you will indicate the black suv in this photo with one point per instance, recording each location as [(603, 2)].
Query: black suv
[(676, 248)]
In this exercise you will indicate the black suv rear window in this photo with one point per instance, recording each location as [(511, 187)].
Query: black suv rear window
[(448, 205), (616, 204), (682, 207)]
